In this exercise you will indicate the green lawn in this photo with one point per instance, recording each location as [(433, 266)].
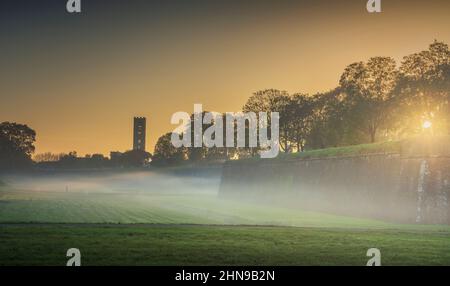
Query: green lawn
[(217, 245)]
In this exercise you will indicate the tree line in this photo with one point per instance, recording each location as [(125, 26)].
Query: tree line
[(130, 158), (376, 100), (17, 147)]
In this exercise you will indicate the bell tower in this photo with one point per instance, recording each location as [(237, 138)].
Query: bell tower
[(139, 133)]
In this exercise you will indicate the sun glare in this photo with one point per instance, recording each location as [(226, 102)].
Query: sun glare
[(427, 124)]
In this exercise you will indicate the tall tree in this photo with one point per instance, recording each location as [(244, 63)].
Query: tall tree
[(271, 100), (370, 89), (425, 85), (301, 111), (330, 124), (286, 108), (264, 101)]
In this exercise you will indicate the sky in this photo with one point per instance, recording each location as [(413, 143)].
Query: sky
[(78, 79)]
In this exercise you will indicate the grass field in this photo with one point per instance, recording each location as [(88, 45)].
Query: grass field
[(217, 245), (117, 226)]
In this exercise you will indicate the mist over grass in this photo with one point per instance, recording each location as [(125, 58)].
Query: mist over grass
[(112, 182), (151, 198)]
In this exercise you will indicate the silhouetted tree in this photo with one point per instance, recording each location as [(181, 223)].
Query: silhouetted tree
[(166, 154), (16, 145), (135, 158), (370, 89), (329, 124), (425, 87), (270, 100), (299, 112)]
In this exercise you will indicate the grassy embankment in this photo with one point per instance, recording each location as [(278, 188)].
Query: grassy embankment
[(389, 147)]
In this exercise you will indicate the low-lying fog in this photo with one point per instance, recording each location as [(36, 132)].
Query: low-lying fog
[(152, 198), (127, 182)]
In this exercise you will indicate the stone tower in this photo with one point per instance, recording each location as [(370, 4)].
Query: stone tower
[(139, 133)]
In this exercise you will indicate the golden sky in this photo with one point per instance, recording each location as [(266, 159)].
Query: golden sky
[(78, 80)]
